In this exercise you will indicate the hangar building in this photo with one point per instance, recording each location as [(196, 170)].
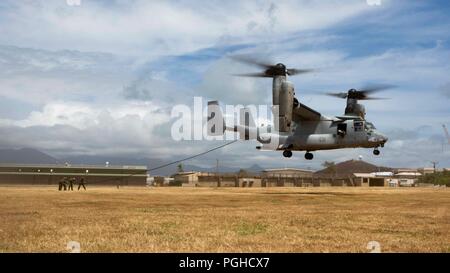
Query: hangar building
[(268, 178), (15, 174), (287, 177), (205, 179)]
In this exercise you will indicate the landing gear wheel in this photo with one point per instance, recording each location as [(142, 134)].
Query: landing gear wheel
[(309, 156), (287, 154), (376, 152)]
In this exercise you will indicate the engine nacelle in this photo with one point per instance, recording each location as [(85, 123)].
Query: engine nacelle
[(286, 102), (355, 109), (360, 110)]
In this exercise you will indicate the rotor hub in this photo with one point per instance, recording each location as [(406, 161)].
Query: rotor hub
[(269, 70), (362, 94), (281, 66), (276, 70)]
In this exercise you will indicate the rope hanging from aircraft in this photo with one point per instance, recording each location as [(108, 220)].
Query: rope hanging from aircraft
[(177, 161), (194, 156)]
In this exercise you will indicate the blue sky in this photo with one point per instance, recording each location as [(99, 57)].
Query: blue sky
[(101, 78)]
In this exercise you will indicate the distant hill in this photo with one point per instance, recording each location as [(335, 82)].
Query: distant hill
[(115, 160), (222, 169), (152, 163), (346, 168), (33, 156), (25, 156)]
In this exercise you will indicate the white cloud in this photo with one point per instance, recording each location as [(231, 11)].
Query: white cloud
[(220, 83), (83, 115), (81, 128), (150, 28), (39, 76)]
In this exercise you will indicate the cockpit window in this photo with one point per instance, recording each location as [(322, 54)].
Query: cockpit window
[(359, 125), (370, 126)]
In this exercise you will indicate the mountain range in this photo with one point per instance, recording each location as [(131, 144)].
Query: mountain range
[(26, 156), (33, 156)]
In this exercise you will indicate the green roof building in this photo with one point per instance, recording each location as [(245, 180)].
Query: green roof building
[(27, 174)]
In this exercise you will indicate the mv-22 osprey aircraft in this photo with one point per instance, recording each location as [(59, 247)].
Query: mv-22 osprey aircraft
[(297, 126)]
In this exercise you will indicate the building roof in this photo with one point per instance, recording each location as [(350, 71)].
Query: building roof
[(186, 173), (288, 169), (77, 166), (348, 168), (364, 175), (71, 170), (401, 170), (383, 173), (408, 174)]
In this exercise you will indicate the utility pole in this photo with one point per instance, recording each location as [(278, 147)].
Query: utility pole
[(434, 165), (217, 173), (217, 167), (446, 133)]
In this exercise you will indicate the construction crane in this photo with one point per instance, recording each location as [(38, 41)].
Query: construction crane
[(446, 133)]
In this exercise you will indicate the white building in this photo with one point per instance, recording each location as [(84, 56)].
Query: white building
[(405, 179)]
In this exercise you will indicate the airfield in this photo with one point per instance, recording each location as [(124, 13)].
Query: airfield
[(139, 219)]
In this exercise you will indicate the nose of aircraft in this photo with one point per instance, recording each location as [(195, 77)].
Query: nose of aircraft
[(379, 138), (383, 138)]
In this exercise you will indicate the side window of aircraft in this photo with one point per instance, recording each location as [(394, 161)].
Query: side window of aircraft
[(342, 129), (358, 125)]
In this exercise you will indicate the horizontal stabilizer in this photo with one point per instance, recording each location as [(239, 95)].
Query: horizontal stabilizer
[(349, 117)]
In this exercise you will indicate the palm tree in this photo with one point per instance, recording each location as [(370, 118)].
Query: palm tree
[(331, 166), (180, 168)]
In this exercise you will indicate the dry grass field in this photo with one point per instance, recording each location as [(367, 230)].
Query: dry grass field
[(41, 219)]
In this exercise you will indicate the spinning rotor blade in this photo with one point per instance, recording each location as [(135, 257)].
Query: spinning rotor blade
[(253, 75), (363, 94), (375, 88), (372, 98), (251, 60), (358, 96), (339, 95), (293, 71), (270, 70)]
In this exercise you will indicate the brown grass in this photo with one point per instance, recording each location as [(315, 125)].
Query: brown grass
[(41, 219)]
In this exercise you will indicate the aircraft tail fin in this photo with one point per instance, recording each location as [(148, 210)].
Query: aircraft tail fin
[(247, 127), (216, 121)]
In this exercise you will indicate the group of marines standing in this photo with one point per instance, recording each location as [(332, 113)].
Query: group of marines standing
[(67, 183)]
